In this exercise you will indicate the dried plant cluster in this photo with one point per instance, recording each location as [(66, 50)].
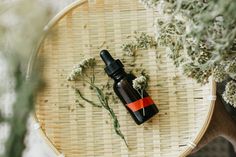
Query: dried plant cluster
[(137, 42), (136, 45), (21, 26), (200, 38), (85, 71)]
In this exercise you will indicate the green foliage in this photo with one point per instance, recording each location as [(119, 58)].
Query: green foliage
[(21, 27), (140, 84), (22, 107)]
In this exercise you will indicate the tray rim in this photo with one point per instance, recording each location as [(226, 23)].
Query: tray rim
[(34, 56)]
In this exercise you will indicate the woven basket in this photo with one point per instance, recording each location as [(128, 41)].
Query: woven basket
[(82, 30)]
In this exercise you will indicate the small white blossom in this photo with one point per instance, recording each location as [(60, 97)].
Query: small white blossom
[(231, 69), (75, 73), (79, 69), (140, 83), (219, 73)]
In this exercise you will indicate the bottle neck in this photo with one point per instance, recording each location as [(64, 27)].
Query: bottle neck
[(119, 75)]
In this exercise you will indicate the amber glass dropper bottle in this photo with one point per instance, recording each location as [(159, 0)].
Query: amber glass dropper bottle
[(125, 91)]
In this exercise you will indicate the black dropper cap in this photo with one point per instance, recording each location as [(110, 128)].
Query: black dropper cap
[(112, 65)]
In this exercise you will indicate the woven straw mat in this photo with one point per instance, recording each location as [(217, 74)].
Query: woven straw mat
[(81, 31)]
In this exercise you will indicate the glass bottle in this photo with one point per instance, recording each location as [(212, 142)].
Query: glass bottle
[(123, 87)]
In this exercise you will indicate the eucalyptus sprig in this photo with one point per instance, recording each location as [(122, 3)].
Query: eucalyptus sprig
[(85, 71)]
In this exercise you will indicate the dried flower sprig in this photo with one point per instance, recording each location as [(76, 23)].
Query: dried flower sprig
[(140, 84), (81, 72), (19, 37), (230, 93), (140, 41)]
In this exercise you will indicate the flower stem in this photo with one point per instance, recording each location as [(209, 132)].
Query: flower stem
[(104, 103), (142, 103), (85, 99)]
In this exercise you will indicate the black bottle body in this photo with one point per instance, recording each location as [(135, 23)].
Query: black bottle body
[(129, 96)]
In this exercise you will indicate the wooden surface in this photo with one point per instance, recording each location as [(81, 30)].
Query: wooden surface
[(222, 124)]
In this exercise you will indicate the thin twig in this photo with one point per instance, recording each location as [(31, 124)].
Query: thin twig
[(103, 99)]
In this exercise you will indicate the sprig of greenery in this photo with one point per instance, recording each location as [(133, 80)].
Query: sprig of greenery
[(104, 101), (23, 106), (81, 72)]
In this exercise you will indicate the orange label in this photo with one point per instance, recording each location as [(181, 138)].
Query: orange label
[(141, 103)]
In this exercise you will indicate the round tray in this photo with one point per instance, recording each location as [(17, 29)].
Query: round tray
[(82, 30)]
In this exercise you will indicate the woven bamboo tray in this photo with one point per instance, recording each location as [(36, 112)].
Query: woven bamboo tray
[(82, 30)]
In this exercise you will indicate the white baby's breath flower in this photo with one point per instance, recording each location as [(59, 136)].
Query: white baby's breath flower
[(79, 69), (75, 73), (140, 83), (88, 63)]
